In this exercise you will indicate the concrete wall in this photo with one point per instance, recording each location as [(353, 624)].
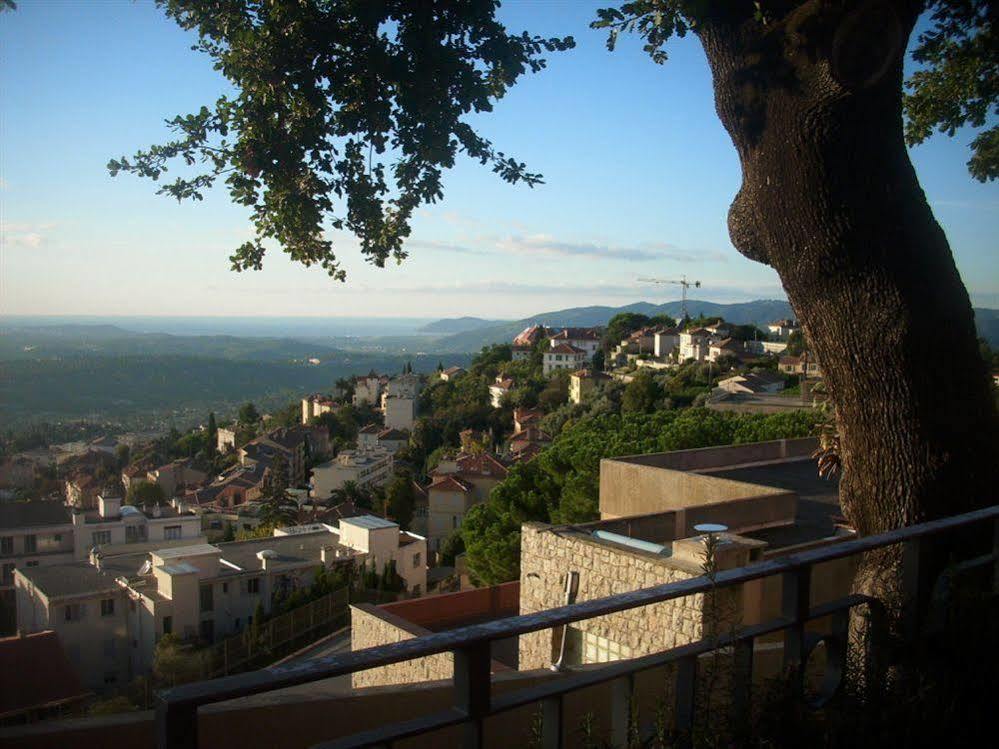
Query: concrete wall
[(643, 484)]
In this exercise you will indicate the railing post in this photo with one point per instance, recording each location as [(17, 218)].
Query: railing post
[(995, 552), (686, 686), (916, 586), (742, 687), (471, 689), (551, 723), (795, 597), (176, 726), (622, 693)]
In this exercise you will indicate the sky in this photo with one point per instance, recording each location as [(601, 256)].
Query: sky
[(639, 174)]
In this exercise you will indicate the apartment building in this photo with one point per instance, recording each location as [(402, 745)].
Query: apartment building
[(399, 411), (582, 382), (110, 612), (362, 466), (563, 356), (694, 344), (373, 436), (586, 340), (315, 405), (458, 484)]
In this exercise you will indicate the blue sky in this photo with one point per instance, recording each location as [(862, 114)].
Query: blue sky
[(639, 175)]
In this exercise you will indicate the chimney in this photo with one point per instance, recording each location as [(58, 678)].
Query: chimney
[(108, 507)]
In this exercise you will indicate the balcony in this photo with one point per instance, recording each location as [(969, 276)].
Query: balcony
[(295, 705)]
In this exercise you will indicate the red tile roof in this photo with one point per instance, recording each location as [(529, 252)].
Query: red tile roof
[(565, 348), (449, 483), (480, 465)]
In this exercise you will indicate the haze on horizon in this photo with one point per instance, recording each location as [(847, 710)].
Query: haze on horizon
[(639, 190)]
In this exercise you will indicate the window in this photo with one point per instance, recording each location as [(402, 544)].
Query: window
[(75, 612), (172, 532), (107, 607), (235, 624), (135, 533), (416, 560), (30, 544), (253, 586), (100, 538), (225, 587), (110, 677), (167, 625), (32, 563), (7, 576), (7, 545), (57, 538), (207, 597), (207, 630)]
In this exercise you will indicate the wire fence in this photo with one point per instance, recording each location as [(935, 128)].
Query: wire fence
[(261, 644)]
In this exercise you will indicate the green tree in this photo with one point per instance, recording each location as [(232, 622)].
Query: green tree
[(248, 414), (796, 344), (213, 433), (122, 454), (301, 147), (176, 662), (400, 499), (621, 326), (277, 508), (641, 394), (145, 494), (451, 547)]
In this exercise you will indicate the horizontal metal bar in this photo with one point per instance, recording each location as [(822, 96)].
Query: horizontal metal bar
[(396, 731), (265, 680)]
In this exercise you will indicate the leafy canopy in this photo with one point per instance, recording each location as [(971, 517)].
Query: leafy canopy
[(346, 114)]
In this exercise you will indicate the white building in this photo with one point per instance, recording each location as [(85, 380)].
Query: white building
[(373, 436), (694, 344), (665, 341), (584, 339), (367, 390), (225, 439), (400, 412), (782, 329), (109, 615), (563, 356), (499, 389), (363, 466), (316, 405)]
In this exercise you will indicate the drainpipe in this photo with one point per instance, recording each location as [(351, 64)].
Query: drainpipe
[(571, 590)]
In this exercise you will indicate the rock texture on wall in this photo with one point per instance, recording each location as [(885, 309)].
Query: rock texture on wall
[(370, 627), (548, 554)]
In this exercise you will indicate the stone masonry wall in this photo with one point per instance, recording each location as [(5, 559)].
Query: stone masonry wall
[(370, 627), (548, 554)]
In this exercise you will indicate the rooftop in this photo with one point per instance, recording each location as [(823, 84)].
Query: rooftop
[(371, 522), (34, 513), (70, 579), (45, 677)]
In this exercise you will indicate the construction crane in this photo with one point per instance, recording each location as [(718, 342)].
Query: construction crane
[(682, 281)]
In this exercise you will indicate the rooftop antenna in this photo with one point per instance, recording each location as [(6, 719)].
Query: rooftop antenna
[(682, 282)]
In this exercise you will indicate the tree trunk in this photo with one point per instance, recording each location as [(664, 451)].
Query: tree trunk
[(831, 201)]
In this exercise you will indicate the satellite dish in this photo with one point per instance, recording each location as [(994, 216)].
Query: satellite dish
[(710, 528)]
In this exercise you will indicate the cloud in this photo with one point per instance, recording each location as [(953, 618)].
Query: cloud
[(547, 246), (24, 235)]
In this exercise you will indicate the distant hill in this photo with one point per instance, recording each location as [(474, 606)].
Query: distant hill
[(758, 312), (458, 325)]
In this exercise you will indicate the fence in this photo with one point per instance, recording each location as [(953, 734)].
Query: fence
[(258, 646), (177, 714)]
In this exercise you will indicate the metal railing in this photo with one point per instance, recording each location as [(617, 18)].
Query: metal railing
[(177, 713)]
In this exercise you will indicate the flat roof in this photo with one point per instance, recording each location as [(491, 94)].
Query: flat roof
[(296, 548), (70, 579), (37, 512), (196, 550), (371, 522)]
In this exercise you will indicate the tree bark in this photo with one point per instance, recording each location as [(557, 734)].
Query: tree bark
[(830, 200)]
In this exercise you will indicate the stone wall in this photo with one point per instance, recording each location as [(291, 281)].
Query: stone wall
[(548, 554), (370, 627)]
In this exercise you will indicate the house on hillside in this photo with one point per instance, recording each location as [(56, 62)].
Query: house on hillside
[(451, 373), (753, 382), (563, 356), (583, 381), (499, 389), (694, 344), (584, 339), (804, 365), (525, 342)]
